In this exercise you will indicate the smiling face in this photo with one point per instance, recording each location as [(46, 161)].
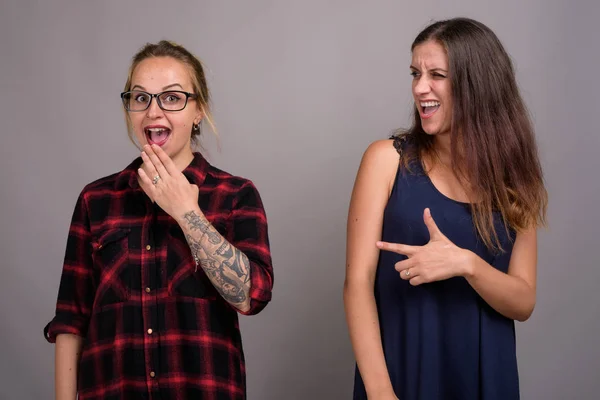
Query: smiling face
[(171, 130), (431, 87)]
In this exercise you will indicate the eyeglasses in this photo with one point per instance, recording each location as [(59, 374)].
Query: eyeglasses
[(173, 100)]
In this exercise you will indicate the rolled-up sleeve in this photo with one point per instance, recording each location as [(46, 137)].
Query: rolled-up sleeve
[(75, 293), (250, 235)]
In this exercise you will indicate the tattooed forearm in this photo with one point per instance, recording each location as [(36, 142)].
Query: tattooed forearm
[(228, 287), (195, 247), (240, 260), (194, 222), (225, 250), (227, 267)]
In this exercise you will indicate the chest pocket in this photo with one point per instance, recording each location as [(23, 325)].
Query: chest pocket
[(112, 269)]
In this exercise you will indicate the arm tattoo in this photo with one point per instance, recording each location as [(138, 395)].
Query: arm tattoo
[(194, 222), (240, 259), (226, 267), (225, 250), (229, 288)]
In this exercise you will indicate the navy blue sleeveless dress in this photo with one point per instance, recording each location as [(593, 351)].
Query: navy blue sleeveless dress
[(441, 341)]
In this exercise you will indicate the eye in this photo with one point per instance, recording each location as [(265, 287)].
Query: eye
[(141, 98), (414, 74), (171, 97), (438, 75)]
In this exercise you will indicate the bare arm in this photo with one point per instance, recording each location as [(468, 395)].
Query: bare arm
[(67, 353), (512, 294), (365, 220), (227, 267)]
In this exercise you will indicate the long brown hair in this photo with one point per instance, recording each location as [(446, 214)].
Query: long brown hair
[(497, 156), (166, 48)]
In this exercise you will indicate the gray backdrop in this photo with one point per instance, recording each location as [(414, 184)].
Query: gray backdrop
[(300, 89)]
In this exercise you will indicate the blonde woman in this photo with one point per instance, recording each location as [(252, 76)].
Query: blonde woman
[(161, 256)]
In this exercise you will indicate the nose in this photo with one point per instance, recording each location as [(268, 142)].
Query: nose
[(421, 86), (154, 111)]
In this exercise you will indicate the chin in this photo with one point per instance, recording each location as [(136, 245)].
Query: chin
[(430, 131), (435, 131)]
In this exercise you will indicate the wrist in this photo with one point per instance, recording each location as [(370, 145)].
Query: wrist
[(468, 263), (187, 214)]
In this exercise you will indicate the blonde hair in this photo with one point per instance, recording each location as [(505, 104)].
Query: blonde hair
[(166, 48)]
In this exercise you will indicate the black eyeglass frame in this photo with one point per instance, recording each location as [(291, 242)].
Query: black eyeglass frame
[(156, 95)]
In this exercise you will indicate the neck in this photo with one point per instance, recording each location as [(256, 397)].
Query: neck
[(183, 159), (443, 156), (443, 150)]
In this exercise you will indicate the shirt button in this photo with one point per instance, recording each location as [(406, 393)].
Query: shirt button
[(148, 247), (149, 331), (147, 290), (152, 374)]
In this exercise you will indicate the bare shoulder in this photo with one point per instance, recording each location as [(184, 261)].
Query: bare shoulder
[(380, 162), (381, 153), (383, 148)]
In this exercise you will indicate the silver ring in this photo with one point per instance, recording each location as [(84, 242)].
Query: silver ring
[(407, 272), (156, 179)]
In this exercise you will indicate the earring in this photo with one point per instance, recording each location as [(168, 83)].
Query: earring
[(196, 127)]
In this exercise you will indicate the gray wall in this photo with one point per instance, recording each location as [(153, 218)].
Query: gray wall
[(300, 89)]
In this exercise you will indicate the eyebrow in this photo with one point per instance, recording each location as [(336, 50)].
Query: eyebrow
[(433, 69), (164, 88)]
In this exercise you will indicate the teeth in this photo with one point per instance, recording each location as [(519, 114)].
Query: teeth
[(156, 129), (430, 104)]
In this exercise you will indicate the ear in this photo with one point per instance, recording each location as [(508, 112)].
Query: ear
[(199, 115)]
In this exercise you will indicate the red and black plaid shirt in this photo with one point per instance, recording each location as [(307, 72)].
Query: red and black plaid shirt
[(153, 327)]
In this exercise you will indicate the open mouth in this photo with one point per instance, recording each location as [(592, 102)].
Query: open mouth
[(429, 108), (157, 135)]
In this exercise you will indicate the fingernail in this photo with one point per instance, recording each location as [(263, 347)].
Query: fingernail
[(379, 244)]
